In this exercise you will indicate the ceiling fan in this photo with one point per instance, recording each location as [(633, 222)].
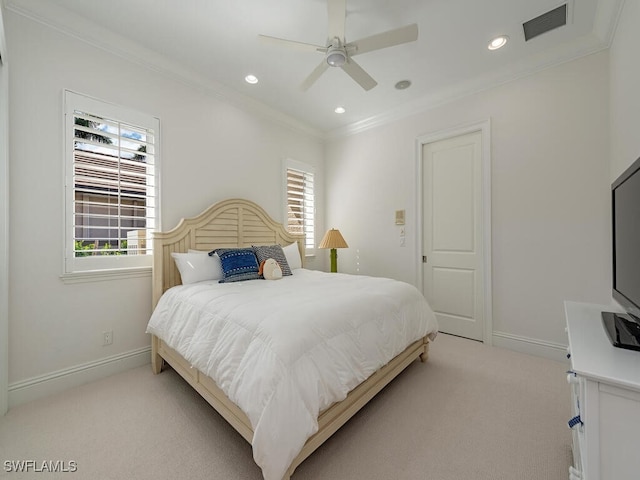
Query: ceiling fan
[(339, 53)]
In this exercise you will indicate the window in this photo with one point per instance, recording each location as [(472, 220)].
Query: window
[(300, 206), (111, 185)]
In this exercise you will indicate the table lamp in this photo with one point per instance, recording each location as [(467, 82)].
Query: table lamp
[(333, 239)]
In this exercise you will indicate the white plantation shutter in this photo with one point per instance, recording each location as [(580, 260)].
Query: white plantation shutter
[(301, 203), (111, 185)]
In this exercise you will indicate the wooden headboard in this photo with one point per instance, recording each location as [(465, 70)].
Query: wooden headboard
[(229, 223)]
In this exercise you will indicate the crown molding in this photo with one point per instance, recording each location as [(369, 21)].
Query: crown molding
[(606, 19), (69, 23), (78, 27), (585, 46), (605, 24)]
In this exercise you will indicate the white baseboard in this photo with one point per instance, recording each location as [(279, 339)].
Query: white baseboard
[(531, 346), (43, 385)]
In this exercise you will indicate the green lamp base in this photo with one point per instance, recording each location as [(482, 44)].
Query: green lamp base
[(334, 260)]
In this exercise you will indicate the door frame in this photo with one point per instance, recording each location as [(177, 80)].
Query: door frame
[(484, 127)]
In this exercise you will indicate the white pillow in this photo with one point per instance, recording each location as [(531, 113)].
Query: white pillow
[(292, 254), (196, 267), (216, 259)]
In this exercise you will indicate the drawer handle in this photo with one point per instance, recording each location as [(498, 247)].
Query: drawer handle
[(575, 421), (572, 377)]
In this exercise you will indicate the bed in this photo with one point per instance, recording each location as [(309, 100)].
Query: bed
[(279, 445)]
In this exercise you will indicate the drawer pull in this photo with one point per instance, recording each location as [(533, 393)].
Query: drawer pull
[(575, 421), (572, 377)]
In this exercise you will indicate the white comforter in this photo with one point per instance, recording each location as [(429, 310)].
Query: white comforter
[(285, 350)]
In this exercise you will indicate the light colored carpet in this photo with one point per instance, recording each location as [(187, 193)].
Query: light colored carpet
[(471, 412)]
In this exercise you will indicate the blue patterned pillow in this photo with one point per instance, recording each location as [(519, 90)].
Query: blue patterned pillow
[(275, 252), (237, 264)]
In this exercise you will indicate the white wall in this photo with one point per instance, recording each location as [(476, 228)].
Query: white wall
[(552, 162), (4, 219), (211, 150), (550, 187), (625, 90)]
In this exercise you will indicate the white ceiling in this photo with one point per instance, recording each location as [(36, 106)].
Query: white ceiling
[(215, 42)]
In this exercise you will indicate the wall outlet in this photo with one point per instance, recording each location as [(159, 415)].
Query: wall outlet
[(107, 338)]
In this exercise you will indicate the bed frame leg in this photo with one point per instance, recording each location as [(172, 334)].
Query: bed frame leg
[(424, 356), (156, 359), (156, 364)]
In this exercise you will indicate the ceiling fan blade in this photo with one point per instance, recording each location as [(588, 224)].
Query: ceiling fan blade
[(337, 10), (386, 39), (356, 72), (313, 76), (306, 47)]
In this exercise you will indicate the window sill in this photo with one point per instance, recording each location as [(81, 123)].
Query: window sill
[(104, 275)]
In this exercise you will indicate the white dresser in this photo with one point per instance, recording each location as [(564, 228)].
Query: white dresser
[(605, 395)]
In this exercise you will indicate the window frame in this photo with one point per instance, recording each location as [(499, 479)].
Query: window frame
[(287, 164), (80, 269)]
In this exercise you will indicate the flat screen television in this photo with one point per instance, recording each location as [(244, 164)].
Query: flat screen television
[(624, 329)]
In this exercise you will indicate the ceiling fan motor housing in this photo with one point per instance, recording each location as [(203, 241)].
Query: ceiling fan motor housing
[(336, 55)]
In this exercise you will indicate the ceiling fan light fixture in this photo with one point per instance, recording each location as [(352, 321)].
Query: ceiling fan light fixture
[(336, 57)]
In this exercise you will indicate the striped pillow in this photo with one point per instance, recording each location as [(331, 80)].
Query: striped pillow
[(237, 264), (272, 251)]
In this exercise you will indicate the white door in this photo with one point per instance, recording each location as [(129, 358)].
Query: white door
[(452, 233)]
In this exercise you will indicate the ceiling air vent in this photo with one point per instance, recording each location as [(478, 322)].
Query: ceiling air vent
[(547, 21)]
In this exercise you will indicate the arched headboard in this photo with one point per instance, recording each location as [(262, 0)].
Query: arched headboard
[(230, 223)]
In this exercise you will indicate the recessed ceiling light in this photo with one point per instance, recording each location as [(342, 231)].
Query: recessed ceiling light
[(498, 42), (340, 110), (252, 79), (402, 84)]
